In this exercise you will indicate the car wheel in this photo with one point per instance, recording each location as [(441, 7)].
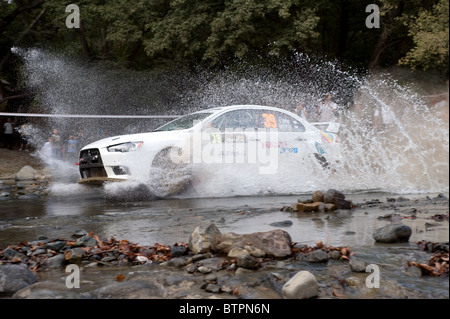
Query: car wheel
[(169, 177)]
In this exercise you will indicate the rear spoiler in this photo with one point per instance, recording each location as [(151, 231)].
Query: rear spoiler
[(327, 126)]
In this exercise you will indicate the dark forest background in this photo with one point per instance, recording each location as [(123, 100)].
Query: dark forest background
[(213, 34)]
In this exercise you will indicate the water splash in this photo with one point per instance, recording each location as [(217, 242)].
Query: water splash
[(410, 156)]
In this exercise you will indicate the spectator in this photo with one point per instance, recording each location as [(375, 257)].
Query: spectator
[(8, 133), (55, 140), (24, 131), (46, 152), (327, 110), (72, 149), (301, 111)]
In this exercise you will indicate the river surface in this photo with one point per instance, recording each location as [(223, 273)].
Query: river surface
[(171, 221)]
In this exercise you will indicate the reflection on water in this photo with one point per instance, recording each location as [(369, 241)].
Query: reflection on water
[(172, 220)]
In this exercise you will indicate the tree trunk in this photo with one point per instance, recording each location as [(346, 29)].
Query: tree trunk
[(388, 25), (84, 43)]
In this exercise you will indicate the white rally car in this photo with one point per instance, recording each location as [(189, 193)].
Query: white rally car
[(247, 136)]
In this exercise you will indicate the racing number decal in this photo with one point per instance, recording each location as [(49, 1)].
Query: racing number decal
[(270, 120)]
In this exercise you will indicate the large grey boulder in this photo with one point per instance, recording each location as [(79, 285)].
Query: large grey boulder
[(393, 233), (26, 173), (15, 277)]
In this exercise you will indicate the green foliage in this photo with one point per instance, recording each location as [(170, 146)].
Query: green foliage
[(430, 33), (148, 33)]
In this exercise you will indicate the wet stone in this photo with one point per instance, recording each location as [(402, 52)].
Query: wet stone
[(12, 254), (317, 256), (85, 241), (177, 251), (55, 245), (14, 278), (393, 233), (213, 288), (357, 265), (284, 223), (302, 286), (79, 233)]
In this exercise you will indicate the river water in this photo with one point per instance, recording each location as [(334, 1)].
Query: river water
[(171, 221)]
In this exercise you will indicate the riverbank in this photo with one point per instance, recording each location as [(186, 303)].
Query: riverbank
[(22, 175), (235, 267)]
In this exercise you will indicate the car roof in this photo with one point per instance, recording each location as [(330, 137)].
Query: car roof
[(238, 107)]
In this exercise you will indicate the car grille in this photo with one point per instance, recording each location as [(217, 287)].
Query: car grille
[(91, 164)]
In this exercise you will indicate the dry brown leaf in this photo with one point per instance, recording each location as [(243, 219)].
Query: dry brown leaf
[(335, 293)]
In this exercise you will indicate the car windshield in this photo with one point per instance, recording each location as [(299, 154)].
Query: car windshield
[(184, 122)]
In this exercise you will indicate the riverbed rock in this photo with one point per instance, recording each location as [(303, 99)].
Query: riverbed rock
[(202, 237), (357, 265), (246, 261), (341, 203), (302, 286), (283, 223), (15, 277), (12, 254), (54, 262), (275, 243), (317, 196), (317, 256), (393, 233), (331, 195), (26, 173), (74, 255), (309, 207), (85, 241), (47, 290), (57, 245)]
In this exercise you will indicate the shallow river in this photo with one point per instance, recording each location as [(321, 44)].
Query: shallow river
[(171, 221)]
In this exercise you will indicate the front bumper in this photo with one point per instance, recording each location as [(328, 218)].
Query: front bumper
[(91, 164), (98, 181)]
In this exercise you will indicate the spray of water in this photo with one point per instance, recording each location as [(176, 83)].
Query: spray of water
[(410, 155)]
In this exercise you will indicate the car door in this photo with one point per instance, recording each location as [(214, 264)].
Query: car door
[(227, 137), (293, 140)]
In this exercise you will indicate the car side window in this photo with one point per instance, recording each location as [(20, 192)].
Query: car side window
[(257, 119), (291, 124), (238, 119)]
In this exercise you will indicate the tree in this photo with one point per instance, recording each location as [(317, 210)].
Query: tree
[(430, 34)]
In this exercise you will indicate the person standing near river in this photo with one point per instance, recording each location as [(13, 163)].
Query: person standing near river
[(72, 149), (327, 110), (55, 140), (8, 133)]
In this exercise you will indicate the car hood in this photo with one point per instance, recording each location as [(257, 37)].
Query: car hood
[(145, 137)]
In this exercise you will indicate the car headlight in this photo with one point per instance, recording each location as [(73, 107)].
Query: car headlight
[(125, 147)]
